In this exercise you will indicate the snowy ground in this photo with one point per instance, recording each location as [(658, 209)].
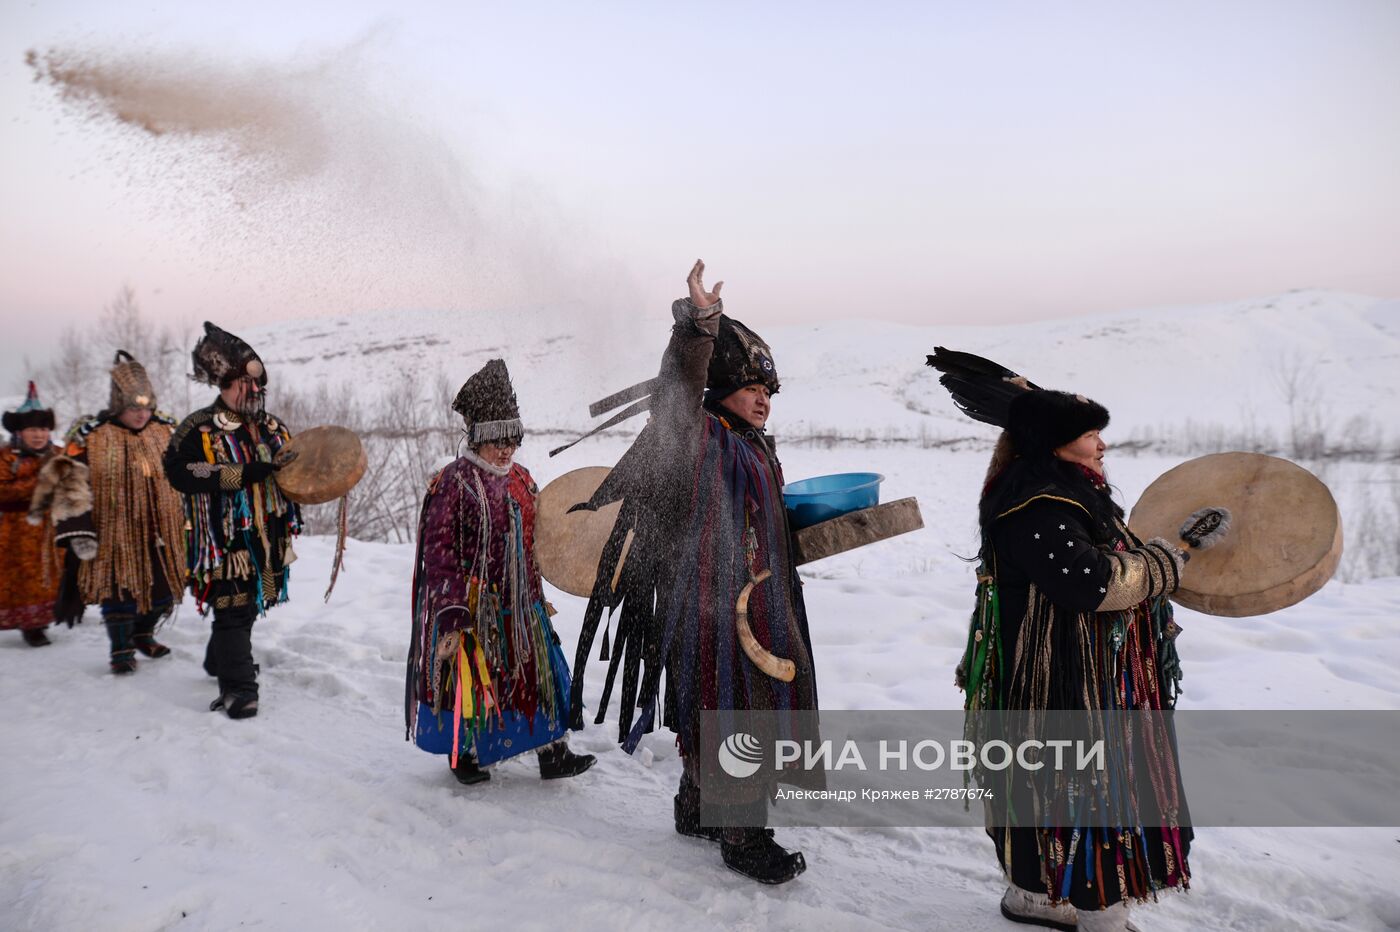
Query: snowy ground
[(127, 805)]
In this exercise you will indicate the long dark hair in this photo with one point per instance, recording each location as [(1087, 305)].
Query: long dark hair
[(1024, 477)]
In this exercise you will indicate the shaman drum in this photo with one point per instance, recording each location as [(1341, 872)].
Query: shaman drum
[(1285, 537), (568, 545), (328, 463)]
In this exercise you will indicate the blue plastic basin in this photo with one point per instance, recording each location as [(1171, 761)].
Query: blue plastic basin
[(822, 498)]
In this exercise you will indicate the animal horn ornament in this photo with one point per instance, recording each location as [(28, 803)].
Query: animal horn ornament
[(776, 667)]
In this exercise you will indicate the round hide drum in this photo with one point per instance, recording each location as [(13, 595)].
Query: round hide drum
[(1285, 537), (568, 546), (328, 463)]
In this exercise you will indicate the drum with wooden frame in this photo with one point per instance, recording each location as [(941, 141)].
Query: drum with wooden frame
[(1284, 541), (322, 464), (568, 545)]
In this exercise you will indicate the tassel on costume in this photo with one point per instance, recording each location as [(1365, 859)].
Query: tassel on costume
[(340, 529)]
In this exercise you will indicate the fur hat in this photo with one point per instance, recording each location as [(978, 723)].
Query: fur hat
[(487, 403), (1040, 420), (31, 413), (740, 358), (220, 358), (131, 386)]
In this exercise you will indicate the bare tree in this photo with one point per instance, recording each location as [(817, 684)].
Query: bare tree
[(1300, 385), (70, 376)]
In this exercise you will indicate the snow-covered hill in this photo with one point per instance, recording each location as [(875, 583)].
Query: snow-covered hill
[(1177, 378), (1164, 371)]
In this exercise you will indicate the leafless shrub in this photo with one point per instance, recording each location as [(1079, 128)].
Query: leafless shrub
[(1300, 385), (407, 438), (1370, 517), (70, 379), (76, 377)]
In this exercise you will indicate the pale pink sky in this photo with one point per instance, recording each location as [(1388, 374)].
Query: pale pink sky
[(921, 162)]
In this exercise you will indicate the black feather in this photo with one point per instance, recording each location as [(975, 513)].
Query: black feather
[(981, 389)]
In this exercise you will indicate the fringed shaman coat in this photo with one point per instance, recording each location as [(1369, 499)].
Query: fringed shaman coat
[(136, 517), (702, 495), (485, 671), (30, 566), (1072, 616), (238, 535)]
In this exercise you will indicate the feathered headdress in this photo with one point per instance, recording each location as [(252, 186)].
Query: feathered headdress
[(220, 358), (982, 389), (1038, 420)]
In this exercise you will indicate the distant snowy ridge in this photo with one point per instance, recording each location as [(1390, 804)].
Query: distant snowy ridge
[(1161, 371), (1170, 376)]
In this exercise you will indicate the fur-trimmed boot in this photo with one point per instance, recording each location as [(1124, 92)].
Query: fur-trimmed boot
[(1031, 908), (753, 853), (120, 628), (558, 762), (143, 635)]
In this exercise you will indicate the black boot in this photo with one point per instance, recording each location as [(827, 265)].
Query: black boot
[(143, 635), (468, 773), (35, 637), (230, 656), (753, 853), (558, 762), (119, 632), (235, 706)]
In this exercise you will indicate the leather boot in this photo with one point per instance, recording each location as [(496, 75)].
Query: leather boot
[(235, 706), (468, 773), (753, 853), (119, 632), (35, 637), (230, 655), (143, 635), (558, 762)]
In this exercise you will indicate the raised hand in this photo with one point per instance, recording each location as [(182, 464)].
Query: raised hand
[(695, 281)]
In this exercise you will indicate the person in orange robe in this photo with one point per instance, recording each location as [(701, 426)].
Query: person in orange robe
[(31, 567)]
